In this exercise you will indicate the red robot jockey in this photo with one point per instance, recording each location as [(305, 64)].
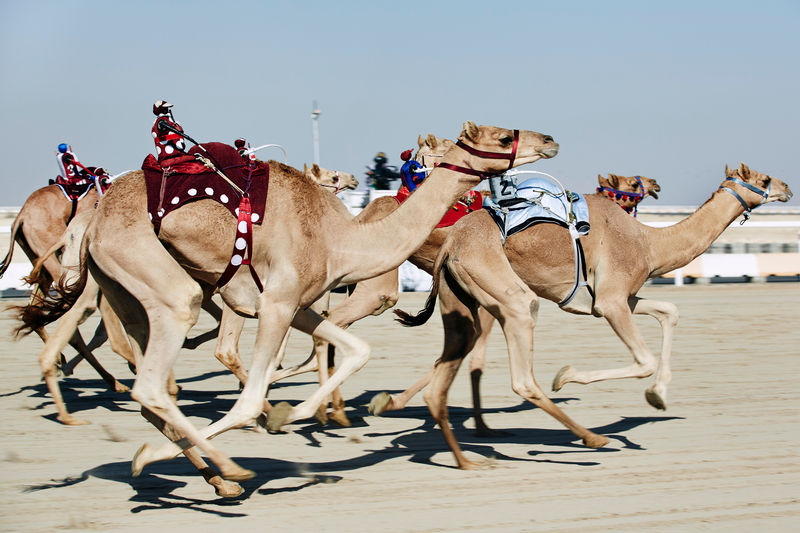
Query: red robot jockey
[(167, 133), (242, 146), (72, 172)]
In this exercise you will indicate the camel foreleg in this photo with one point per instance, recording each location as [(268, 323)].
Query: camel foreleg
[(620, 316)]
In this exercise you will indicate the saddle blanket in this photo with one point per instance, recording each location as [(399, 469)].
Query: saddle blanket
[(537, 201), (186, 180), (73, 193), (465, 205)]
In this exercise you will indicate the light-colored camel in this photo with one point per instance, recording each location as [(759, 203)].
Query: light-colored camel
[(303, 248), (474, 268), (40, 224), (641, 186), (67, 246)]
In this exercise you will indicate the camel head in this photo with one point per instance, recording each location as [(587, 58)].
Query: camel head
[(339, 181), (774, 190), (494, 142), (431, 149), (648, 186)]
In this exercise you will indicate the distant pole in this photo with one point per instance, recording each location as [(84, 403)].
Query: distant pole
[(315, 124)]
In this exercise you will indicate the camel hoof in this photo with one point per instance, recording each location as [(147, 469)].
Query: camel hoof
[(225, 489), (141, 459), (468, 465), (119, 387), (234, 472), (340, 418), (379, 403), (321, 416), (277, 417), (69, 421), (595, 441), (655, 399), (564, 376), (487, 432)]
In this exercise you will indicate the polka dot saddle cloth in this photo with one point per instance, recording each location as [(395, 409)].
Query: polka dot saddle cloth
[(185, 180)]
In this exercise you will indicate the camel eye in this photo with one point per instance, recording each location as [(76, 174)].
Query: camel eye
[(336, 179), (505, 141)]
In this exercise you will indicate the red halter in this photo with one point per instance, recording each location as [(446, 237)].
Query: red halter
[(486, 155)]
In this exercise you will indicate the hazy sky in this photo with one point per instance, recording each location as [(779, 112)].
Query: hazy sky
[(671, 90)]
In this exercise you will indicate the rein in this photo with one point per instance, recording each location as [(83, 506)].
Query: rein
[(747, 209), (485, 155), (634, 196)]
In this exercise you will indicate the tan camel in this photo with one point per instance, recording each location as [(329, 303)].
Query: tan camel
[(68, 247), (473, 268), (641, 186), (40, 224), (303, 248)]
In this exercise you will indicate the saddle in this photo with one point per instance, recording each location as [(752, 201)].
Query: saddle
[(187, 178), (537, 201)]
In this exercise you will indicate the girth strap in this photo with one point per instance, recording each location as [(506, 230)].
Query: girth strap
[(242, 246)]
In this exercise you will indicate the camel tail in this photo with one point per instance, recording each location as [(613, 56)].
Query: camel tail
[(45, 308), (39, 276), (426, 313), (7, 259)]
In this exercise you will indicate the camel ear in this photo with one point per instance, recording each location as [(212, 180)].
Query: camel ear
[(432, 142), (602, 181), (613, 179), (728, 171), (420, 140), (744, 171), (305, 168), (315, 169), (470, 131)]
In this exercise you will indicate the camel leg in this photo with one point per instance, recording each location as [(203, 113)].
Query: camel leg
[(227, 349), (274, 322), (620, 318), (214, 310), (460, 334), (356, 354), (116, 334), (65, 330), (98, 339), (477, 361), (516, 307)]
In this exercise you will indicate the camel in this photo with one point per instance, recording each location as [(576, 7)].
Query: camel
[(41, 223), (473, 268), (304, 247), (68, 246), (641, 186)]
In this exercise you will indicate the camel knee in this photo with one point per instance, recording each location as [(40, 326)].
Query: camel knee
[(527, 389), (646, 369)]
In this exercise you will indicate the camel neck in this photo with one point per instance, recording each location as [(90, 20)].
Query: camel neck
[(379, 246), (675, 246)]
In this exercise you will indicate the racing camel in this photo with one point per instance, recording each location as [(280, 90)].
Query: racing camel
[(625, 191), (41, 223), (474, 269), (303, 248)]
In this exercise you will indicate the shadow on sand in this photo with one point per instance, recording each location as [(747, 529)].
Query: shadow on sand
[(156, 486)]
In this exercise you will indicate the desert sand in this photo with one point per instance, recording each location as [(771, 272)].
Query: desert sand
[(723, 457)]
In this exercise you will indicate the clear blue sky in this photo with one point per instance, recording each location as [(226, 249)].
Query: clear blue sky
[(670, 90)]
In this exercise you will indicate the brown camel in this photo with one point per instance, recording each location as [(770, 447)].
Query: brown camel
[(303, 248), (474, 269), (641, 186), (41, 223)]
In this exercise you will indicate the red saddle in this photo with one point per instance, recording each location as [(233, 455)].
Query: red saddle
[(186, 179)]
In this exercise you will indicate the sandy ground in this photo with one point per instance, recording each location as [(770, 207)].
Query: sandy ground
[(723, 457)]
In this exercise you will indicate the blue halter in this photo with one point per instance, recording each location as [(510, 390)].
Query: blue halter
[(747, 209)]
